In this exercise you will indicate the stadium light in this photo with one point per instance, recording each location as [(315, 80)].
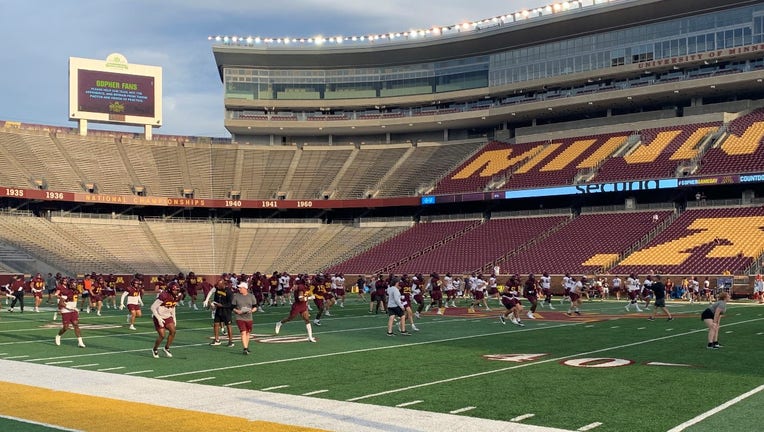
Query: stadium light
[(435, 31)]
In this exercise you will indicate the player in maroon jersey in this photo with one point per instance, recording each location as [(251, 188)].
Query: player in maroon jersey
[(436, 293), (513, 307), (531, 293), (163, 313), (273, 287), (318, 288), (133, 294), (96, 294), (378, 296), (67, 307), (192, 290), (17, 290), (405, 286), (37, 286), (110, 291), (299, 307)]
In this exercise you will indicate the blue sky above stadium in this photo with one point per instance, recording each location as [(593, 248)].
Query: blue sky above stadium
[(41, 36)]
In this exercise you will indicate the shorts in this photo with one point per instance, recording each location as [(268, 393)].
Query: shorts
[(395, 310), (707, 314), (660, 302)]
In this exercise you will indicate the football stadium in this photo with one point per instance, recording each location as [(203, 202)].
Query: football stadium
[(549, 220)]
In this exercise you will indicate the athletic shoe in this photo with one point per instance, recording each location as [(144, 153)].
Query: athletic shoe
[(278, 327), (416, 314), (717, 345), (670, 319), (577, 312), (518, 322), (627, 308), (317, 322), (167, 352), (530, 315), (415, 328), (246, 351), (440, 311), (81, 345), (58, 339), (215, 343), (98, 313), (327, 313), (405, 333), (712, 347), (501, 318), (651, 319), (390, 334), (638, 309), (550, 306), (568, 314), (224, 332), (132, 327), (230, 344), (155, 353)]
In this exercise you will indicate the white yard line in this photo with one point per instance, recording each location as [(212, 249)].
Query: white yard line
[(709, 413)]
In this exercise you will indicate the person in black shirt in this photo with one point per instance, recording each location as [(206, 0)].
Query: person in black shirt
[(659, 289)]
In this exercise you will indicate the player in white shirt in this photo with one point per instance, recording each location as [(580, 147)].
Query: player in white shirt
[(450, 291), (567, 285), (616, 283), (284, 288), (633, 288), (545, 282), (478, 295), (575, 293)]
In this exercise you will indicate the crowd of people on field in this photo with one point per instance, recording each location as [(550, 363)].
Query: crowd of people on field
[(404, 298)]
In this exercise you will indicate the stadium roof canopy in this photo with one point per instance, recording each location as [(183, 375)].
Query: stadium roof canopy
[(572, 23)]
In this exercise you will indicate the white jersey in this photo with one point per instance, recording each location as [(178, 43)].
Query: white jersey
[(448, 283), (616, 282), (569, 283), (480, 284), (546, 282), (284, 282), (632, 284)]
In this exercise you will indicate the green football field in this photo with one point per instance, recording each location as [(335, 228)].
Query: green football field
[(607, 370)]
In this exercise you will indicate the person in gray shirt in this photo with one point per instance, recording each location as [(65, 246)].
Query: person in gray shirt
[(395, 307), (244, 303)]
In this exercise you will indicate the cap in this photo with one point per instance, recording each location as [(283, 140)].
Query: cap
[(243, 285)]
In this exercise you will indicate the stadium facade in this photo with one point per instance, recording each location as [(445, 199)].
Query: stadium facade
[(496, 77)]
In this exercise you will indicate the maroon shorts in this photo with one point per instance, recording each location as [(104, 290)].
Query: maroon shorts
[(133, 307), (244, 325), (167, 321), (70, 318)]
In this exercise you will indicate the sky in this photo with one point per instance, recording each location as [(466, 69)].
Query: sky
[(41, 35)]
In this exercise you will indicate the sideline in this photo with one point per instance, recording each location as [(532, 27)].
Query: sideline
[(151, 404)]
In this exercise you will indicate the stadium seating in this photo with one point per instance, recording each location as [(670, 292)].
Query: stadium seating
[(478, 248), (404, 246), (660, 152), (702, 241), (741, 150), (587, 244)]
